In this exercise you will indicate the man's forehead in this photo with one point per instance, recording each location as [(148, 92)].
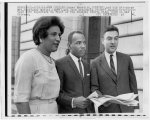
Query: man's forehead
[(111, 33), (78, 36)]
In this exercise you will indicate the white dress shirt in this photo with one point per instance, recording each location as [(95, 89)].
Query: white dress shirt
[(107, 55), (75, 59)]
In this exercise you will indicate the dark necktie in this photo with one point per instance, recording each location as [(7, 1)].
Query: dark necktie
[(80, 68), (112, 65)]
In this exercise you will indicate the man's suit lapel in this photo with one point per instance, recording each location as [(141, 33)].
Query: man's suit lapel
[(85, 70), (106, 67), (119, 64), (72, 64)]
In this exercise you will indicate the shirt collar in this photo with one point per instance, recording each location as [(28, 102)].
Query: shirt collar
[(108, 55), (74, 57)]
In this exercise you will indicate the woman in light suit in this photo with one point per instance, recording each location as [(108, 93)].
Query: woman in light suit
[(37, 83)]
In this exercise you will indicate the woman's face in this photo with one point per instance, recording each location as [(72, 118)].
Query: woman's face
[(51, 42)]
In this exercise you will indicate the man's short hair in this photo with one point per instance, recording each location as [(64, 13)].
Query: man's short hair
[(111, 28), (43, 24), (70, 36)]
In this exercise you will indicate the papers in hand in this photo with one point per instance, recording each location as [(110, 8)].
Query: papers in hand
[(124, 99)]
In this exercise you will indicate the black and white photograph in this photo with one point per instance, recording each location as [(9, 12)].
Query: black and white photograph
[(75, 60)]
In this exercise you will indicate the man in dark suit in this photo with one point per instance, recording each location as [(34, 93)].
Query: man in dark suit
[(112, 73), (74, 77)]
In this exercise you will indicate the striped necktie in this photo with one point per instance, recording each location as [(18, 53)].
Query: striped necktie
[(80, 68), (112, 65)]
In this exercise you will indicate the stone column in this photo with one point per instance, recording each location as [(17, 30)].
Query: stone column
[(16, 25), (93, 30)]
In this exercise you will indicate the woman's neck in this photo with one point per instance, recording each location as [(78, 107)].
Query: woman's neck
[(43, 51)]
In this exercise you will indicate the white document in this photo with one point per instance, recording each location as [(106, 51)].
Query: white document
[(124, 99)]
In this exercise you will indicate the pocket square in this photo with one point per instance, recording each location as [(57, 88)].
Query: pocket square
[(88, 74)]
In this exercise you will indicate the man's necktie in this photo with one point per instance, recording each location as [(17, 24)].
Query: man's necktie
[(80, 68), (112, 65)]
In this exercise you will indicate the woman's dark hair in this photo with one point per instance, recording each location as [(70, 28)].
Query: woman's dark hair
[(43, 24)]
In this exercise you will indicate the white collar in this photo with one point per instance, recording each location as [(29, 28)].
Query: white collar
[(74, 57), (108, 55)]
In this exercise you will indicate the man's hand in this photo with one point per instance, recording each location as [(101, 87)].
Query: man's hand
[(81, 102), (99, 93), (106, 104)]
